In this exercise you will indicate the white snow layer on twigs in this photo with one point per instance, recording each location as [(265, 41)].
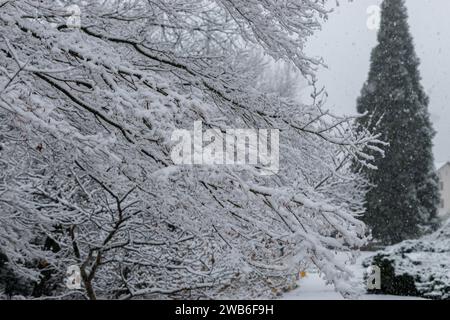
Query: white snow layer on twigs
[(86, 178)]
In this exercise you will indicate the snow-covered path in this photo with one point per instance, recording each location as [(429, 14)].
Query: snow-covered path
[(313, 287)]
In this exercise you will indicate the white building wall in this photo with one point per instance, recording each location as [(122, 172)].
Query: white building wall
[(444, 188)]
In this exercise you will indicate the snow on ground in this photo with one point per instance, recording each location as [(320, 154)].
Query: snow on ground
[(314, 287)]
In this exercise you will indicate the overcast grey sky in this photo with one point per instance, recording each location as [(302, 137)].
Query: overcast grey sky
[(346, 42)]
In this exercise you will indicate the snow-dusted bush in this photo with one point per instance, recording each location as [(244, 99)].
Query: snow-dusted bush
[(417, 267), (86, 116)]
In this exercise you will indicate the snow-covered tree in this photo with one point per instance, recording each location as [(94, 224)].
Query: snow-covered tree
[(403, 202), (89, 99), (279, 78)]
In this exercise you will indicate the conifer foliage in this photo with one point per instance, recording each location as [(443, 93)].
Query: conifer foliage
[(403, 200)]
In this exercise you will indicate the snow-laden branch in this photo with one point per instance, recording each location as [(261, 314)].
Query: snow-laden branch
[(86, 176)]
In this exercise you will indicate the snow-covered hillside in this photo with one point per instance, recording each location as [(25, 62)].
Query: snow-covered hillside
[(417, 267)]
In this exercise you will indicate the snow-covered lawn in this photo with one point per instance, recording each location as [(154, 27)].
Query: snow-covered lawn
[(314, 287)]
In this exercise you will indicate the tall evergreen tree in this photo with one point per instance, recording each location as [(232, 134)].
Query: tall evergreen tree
[(403, 201)]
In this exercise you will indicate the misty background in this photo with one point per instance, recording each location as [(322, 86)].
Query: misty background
[(346, 42)]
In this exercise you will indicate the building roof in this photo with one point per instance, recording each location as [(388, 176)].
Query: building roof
[(440, 165)]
